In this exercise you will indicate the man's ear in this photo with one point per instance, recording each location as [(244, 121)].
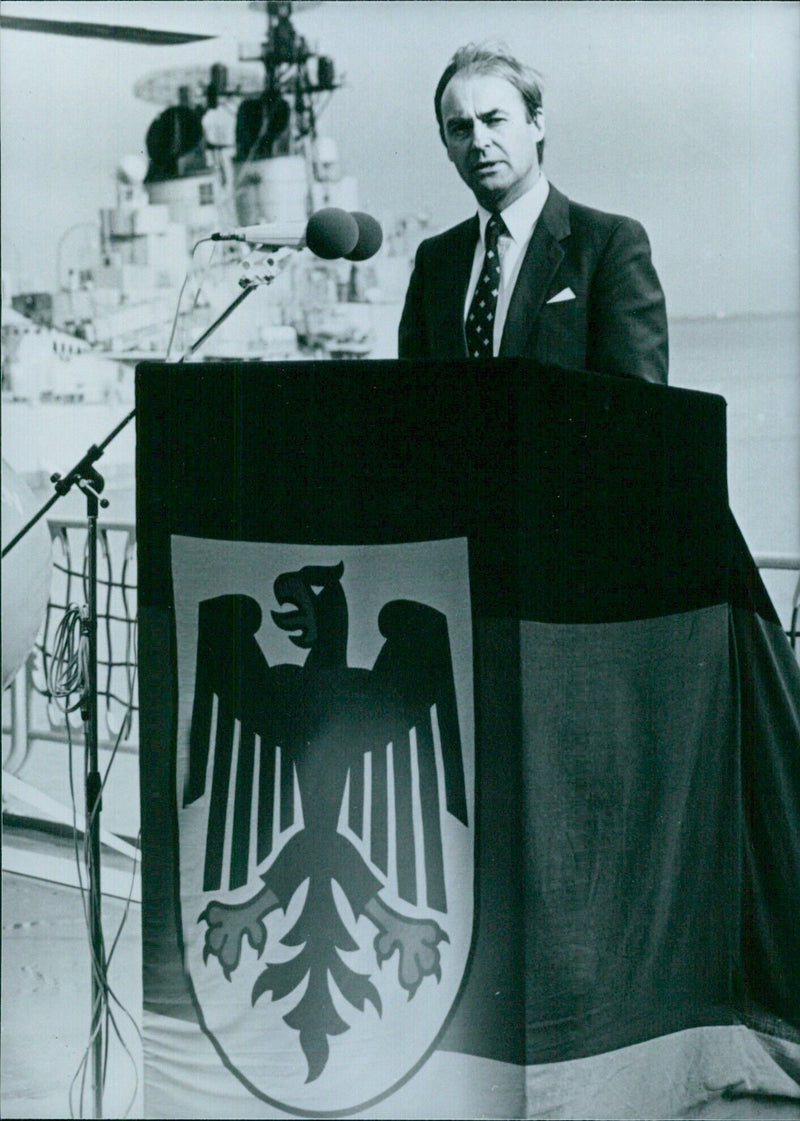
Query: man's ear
[(537, 121)]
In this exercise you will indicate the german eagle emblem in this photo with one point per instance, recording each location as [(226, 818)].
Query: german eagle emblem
[(329, 784)]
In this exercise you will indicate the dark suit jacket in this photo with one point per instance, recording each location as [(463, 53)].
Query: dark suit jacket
[(617, 323)]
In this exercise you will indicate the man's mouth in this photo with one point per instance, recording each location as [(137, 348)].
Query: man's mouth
[(485, 167)]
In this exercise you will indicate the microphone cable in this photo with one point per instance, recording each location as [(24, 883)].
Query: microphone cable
[(68, 666), (67, 674), (206, 267), (100, 959)]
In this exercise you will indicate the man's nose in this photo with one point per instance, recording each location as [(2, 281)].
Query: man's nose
[(480, 136)]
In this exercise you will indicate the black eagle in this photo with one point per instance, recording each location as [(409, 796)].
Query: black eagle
[(275, 730)]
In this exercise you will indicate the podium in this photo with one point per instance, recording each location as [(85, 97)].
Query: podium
[(469, 748)]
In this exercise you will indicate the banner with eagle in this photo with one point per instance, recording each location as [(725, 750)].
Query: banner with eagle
[(325, 776), (470, 751)]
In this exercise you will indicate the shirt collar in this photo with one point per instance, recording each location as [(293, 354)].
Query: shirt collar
[(521, 215)]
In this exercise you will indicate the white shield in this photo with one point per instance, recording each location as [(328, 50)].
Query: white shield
[(335, 1029)]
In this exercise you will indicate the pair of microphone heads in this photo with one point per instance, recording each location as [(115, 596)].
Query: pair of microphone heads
[(330, 233)]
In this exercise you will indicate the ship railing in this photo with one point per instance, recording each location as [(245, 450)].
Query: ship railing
[(31, 713), (785, 562)]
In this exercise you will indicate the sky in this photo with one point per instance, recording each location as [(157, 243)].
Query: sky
[(684, 115)]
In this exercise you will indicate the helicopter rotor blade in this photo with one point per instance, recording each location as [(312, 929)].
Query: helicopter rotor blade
[(298, 6), (144, 35)]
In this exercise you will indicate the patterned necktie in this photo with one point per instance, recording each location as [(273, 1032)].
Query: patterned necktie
[(479, 327)]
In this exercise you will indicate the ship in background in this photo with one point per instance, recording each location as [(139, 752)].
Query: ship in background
[(231, 146)]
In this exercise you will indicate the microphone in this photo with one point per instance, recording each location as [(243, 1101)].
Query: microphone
[(329, 233), (274, 234), (370, 237)]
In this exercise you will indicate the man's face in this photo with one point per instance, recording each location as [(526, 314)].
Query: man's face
[(489, 137)]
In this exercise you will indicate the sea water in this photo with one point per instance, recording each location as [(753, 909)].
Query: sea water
[(754, 363)]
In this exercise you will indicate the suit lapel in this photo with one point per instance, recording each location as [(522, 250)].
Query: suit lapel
[(542, 258), (453, 293)]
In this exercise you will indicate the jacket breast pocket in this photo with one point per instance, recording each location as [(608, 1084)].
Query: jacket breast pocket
[(561, 333)]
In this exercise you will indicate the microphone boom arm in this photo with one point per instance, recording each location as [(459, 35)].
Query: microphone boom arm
[(259, 267)]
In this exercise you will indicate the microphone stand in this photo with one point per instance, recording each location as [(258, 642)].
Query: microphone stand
[(94, 802), (91, 482), (83, 471), (248, 287), (262, 267)]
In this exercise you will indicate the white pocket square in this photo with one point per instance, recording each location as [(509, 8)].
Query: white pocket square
[(564, 294)]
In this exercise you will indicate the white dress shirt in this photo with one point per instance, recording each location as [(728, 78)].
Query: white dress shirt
[(520, 218)]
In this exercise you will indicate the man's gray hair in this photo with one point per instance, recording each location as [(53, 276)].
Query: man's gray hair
[(487, 58)]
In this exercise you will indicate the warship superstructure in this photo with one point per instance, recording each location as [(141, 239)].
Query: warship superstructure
[(231, 146)]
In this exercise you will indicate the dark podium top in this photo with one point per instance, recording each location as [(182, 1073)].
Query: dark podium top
[(584, 498)]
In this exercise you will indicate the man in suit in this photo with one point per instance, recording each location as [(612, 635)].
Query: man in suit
[(533, 274)]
